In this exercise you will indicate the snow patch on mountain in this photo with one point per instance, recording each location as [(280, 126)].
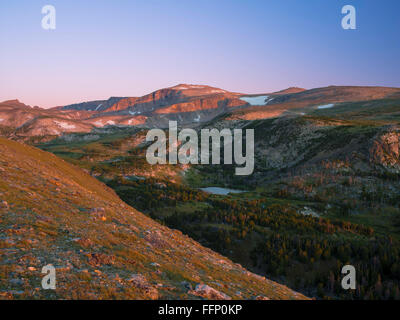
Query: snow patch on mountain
[(65, 125), (269, 100), (217, 91), (255, 101), (326, 106), (187, 87)]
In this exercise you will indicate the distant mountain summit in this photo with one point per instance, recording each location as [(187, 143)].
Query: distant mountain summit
[(150, 102), (289, 91)]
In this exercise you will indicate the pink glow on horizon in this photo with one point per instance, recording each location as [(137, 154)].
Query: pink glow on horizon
[(132, 48)]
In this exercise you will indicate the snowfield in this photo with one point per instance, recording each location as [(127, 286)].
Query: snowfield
[(65, 125), (255, 101), (186, 87), (326, 106), (217, 91)]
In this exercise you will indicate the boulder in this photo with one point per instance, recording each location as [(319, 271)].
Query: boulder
[(206, 292)]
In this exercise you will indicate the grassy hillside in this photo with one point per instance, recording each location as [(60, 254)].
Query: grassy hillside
[(52, 212)]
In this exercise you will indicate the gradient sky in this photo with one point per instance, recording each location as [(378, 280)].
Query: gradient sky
[(130, 48)]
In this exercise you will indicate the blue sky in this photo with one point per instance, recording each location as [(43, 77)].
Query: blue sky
[(129, 48)]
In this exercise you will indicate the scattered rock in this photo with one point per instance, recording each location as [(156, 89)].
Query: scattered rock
[(206, 292), (140, 282), (99, 259), (17, 281), (6, 295), (98, 214), (309, 212), (155, 239), (3, 204), (84, 242), (187, 285)]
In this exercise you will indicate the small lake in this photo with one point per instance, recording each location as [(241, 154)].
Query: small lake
[(220, 191), (134, 178)]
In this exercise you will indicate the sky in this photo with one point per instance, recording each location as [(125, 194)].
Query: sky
[(130, 48)]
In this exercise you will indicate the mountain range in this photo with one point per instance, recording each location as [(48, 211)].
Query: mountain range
[(188, 104)]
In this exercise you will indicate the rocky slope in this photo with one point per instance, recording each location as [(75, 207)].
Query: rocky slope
[(307, 142), (54, 213)]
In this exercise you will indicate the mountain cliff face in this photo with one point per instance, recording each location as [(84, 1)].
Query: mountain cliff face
[(385, 148), (179, 94), (307, 142), (54, 213)]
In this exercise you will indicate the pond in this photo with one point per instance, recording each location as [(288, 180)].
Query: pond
[(220, 191)]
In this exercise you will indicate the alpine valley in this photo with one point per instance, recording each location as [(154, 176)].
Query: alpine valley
[(77, 192)]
